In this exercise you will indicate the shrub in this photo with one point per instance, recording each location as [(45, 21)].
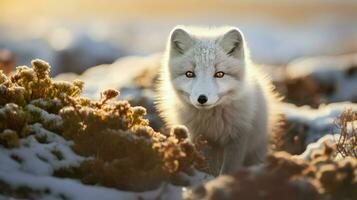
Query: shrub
[(121, 144), (121, 150), (31, 96)]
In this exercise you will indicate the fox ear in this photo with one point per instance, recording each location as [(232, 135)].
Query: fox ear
[(232, 43), (180, 40)]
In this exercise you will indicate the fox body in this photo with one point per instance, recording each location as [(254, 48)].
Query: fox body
[(209, 84)]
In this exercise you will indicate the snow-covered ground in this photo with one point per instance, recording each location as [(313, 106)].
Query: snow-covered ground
[(319, 122), (31, 166), (337, 72), (32, 163)]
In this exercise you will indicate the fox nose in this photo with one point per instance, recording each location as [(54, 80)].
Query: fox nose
[(202, 99)]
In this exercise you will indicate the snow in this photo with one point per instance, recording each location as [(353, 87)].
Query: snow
[(50, 187), (36, 158), (62, 57), (320, 121), (72, 189), (117, 75), (321, 66), (45, 117), (327, 70), (37, 164), (318, 145)]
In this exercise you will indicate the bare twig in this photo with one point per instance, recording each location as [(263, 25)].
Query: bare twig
[(347, 142)]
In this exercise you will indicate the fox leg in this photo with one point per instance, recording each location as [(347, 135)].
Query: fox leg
[(234, 155)]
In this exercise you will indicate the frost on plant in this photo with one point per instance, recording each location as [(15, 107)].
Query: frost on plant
[(30, 96)]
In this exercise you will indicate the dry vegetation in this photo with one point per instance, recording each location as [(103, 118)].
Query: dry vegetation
[(122, 151), (127, 153), (286, 177), (347, 143)]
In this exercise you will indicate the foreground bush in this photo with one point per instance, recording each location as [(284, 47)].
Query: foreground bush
[(126, 152), (119, 147), (286, 177)]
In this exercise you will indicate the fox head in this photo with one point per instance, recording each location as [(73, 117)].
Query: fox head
[(207, 66)]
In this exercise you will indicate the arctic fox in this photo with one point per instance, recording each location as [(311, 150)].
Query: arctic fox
[(209, 84)]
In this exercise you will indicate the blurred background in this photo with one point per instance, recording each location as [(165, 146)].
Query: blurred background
[(74, 35)]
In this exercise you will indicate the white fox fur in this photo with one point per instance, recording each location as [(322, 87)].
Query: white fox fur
[(238, 114)]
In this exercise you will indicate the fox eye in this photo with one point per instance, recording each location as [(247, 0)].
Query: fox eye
[(190, 74), (219, 74)]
